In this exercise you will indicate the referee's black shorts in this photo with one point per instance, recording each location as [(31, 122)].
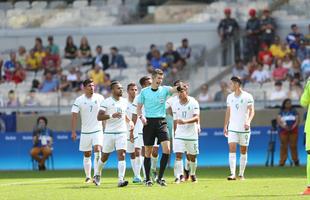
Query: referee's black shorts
[(155, 128)]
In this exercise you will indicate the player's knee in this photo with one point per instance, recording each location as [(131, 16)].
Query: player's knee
[(137, 153), (132, 155), (97, 148), (87, 153), (178, 156)]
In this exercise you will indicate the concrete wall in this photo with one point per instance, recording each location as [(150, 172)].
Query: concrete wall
[(209, 119)]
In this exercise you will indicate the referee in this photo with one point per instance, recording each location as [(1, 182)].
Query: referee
[(153, 99)]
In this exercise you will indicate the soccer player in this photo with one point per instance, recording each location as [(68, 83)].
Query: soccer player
[(132, 90), (145, 81), (113, 111), (238, 117), (305, 101), (186, 118), (153, 100), (91, 133)]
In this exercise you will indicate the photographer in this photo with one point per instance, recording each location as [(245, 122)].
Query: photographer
[(288, 121), (42, 142)]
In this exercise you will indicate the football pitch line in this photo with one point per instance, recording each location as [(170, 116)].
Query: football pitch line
[(31, 182)]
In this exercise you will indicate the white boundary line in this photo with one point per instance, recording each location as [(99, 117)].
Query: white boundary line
[(29, 182)]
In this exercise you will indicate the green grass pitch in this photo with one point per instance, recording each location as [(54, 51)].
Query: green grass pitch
[(260, 183)]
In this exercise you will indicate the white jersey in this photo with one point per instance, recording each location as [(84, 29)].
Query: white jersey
[(170, 101), (139, 125), (238, 110), (88, 109), (131, 109), (186, 111), (111, 106)]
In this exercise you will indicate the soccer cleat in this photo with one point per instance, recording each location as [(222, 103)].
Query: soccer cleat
[(88, 180), (231, 177), (136, 180), (97, 180), (154, 176), (161, 182), (122, 183), (148, 184), (307, 191), (241, 178), (177, 181), (194, 179), (186, 175), (182, 179)]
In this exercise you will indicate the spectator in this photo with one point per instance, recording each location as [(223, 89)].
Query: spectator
[(1, 65), (74, 77), (240, 71), (295, 90), (117, 60), (54, 49), (295, 70), (288, 121), (97, 75), (260, 75), (279, 50), (71, 51), (228, 31), (64, 84), (278, 93), (13, 101), (252, 66), (42, 142), (275, 47), (157, 62), (172, 57), (39, 51), (106, 89), (305, 68), (22, 56), (252, 35), (32, 63), (294, 37), (221, 95), (204, 96), (265, 56), (307, 37), (35, 84), (51, 61), (149, 54), (19, 74), (302, 52), (31, 99), (9, 67), (287, 62), (100, 58), (185, 50), (268, 27), (84, 50), (50, 84), (279, 73)]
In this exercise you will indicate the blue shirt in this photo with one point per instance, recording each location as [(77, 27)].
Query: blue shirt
[(49, 86), (154, 101), (156, 63), (289, 117)]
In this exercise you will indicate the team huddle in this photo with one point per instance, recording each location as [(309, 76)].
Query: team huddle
[(137, 125)]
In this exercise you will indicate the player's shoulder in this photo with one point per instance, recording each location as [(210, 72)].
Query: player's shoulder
[(80, 98), (98, 96), (193, 100), (230, 95), (247, 94)]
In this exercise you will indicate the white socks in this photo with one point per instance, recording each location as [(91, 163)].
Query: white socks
[(243, 161), (100, 166), (134, 166), (138, 166), (178, 168), (154, 163), (186, 167), (193, 167), (121, 170), (142, 166), (96, 160), (232, 163), (87, 166)]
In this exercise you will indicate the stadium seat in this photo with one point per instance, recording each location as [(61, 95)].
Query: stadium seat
[(38, 4), (57, 4), (22, 5), (80, 4), (6, 6)]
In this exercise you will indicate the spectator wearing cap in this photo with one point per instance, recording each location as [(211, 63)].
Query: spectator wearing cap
[(185, 50), (100, 58), (278, 93), (268, 27), (54, 49), (252, 35), (228, 31), (294, 37)]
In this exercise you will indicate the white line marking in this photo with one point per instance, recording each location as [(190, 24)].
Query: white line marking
[(29, 182)]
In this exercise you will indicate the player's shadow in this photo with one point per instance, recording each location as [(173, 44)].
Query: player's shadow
[(102, 186)]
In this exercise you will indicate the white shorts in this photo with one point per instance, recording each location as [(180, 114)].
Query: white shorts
[(243, 139), (139, 141), (130, 146), (182, 146), (87, 141), (114, 141)]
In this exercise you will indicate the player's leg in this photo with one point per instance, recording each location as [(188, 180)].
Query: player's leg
[(154, 159), (193, 150), (283, 148), (186, 166), (307, 190), (97, 142), (46, 152), (244, 143), (293, 139), (86, 148), (121, 147), (35, 154), (138, 164), (101, 163), (139, 155), (233, 139), (131, 151), (178, 168)]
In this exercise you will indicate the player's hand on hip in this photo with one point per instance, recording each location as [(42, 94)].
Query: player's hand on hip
[(180, 121), (73, 135), (117, 115), (225, 132), (246, 126)]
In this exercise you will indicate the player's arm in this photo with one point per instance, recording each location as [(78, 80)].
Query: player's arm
[(194, 119), (102, 116), (132, 126), (297, 121), (251, 112), (175, 89), (139, 113), (226, 121), (280, 122), (74, 118), (175, 122)]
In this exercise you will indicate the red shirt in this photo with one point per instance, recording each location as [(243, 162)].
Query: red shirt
[(265, 57), (279, 73)]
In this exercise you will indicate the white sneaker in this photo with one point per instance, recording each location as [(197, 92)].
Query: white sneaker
[(231, 177)]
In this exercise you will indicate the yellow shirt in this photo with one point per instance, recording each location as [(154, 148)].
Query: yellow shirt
[(32, 62), (39, 56), (98, 78), (277, 51)]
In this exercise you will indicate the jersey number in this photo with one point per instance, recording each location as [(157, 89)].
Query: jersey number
[(91, 108), (184, 113)]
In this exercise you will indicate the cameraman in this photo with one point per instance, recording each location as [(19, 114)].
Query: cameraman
[(288, 120), (42, 142)]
